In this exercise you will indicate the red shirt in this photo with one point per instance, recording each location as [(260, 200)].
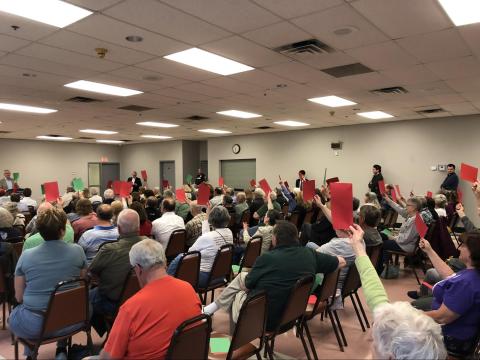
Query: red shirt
[(146, 228), (84, 223), (147, 321)]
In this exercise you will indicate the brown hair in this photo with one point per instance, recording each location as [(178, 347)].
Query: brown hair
[(472, 241), (51, 223), (83, 207)]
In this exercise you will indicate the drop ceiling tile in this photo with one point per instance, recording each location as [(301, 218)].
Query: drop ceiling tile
[(67, 57), (181, 94), (225, 82), (436, 46), (152, 78), (382, 56), (95, 5), (27, 29), (471, 34), (172, 68), (324, 23), (278, 34), (86, 45), (108, 78), (290, 9), (167, 21), (472, 96), (10, 43), (402, 18), (233, 15), (430, 89), (244, 51), (369, 81), (47, 66), (262, 78), (410, 75), (114, 31), (468, 66), (206, 90), (297, 72), (465, 85), (446, 99)]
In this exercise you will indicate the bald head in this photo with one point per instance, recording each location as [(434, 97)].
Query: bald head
[(105, 212), (43, 207), (128, 222), (195, 209)]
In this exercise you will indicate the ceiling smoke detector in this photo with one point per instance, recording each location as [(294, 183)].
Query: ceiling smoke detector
[(134, 38)]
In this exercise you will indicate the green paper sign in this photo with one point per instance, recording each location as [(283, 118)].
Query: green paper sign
[(78, 184), (235, 269), (189, 178), (219, 345), (42, 189), (325, 177), (16, 176), (387, 232)]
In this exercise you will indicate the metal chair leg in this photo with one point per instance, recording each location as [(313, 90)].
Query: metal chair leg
[(309, 337), (339, 324), (304, 343), (356, 312), (16, 349), (335, 330), (362, 310)]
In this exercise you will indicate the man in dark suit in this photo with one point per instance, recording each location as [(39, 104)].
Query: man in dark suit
[(451, 181), (136, 182), (301, 179)]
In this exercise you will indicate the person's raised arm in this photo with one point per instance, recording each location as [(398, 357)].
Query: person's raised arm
[(443, 269), (269, 202), (402, 211), (326, 211), (467, 224)]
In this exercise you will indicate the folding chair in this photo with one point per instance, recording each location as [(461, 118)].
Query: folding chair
[(188, 268), (252, 252), (176, 244), (191, 339)]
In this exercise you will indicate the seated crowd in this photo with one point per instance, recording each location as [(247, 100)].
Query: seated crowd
[(101, 238)]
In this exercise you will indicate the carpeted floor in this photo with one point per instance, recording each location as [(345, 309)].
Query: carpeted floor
[(287, 346)]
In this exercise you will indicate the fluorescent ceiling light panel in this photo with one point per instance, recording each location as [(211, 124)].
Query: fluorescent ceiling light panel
[(57, 138), (215, 131), (291, 123), (239, 114), (25, 108), (208, 61), (156, 124), (332, 101), (462, 12), (103, 141), (162, 137), (102, 88), (52, 12), (101, 132), (375, 115)]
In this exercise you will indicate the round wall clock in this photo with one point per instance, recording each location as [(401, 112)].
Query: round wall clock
[(236, 148)]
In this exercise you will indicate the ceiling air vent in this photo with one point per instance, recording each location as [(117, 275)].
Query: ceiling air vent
[(125, 140), (4, 132), (311, 47), (347, 70), (136, 108), (430, 111), (85, 138), (82, 99), (264, 127), (196, 118), (54, 135), (395, 90)]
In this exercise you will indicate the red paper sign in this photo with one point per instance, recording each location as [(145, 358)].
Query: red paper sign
[(286, 184), (459, 195), (203, 194), (381, 187), (180, 195), (51, 191), (220, 181), (308, 190), (429, 194), (165, 183), (422, 228), (253, 183), (342, 205), (109, 184), (398, 190), (468, 173), (394, 195), (332, 180), (144, 175), (264, 185), (116, 187), (125, 188)]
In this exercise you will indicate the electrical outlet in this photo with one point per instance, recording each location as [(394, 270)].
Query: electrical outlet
[(442, 167), (433, 167)]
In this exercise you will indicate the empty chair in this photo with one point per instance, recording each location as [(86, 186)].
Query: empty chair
[(374, 253), (188, 268), (191, 339), (252, 252), (220, 273), (292, 315), (250, 326), (66, 307), (176, 244)]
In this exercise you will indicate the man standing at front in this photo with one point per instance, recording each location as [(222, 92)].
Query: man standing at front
[(136, 182), (451, 181), (7, 183)]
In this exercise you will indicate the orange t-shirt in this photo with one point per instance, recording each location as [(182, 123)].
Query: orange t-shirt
[(147, 321)]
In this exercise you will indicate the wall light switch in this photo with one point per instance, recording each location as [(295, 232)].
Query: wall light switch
[(433, 167)]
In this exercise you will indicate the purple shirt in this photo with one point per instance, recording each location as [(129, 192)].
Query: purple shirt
[(461, 294)]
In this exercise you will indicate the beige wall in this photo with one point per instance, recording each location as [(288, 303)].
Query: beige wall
[(148, 156), (406, 150), (42, 161)]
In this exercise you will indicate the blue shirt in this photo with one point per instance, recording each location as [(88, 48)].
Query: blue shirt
[(45, 266), (461, 294), (93, 238)]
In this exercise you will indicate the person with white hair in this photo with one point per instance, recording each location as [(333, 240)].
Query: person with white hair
[(108, 196), (399, 331), (111, 267), (146, 322), (94, 197)]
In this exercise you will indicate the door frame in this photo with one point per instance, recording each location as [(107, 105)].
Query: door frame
[(161, 172), (100, 174)]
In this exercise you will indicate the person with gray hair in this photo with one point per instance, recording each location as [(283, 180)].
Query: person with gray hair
[(94, 197), (108, 196), (146, 322), (372, 199), (7, 230), (440, 204), (111, 266), (209, 243), (399, 331), (193, 228)]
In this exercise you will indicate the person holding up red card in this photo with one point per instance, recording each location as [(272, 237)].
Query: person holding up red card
[(408, 235), (377, 176), (301, 179), (136, 181), (451, 181)]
